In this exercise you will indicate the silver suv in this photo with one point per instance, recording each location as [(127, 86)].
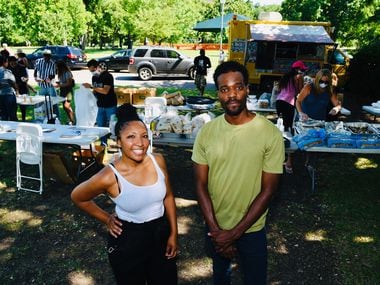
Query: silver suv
[(150, 60)]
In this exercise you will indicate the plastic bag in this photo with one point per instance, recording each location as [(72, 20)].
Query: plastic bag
[(85, 107)]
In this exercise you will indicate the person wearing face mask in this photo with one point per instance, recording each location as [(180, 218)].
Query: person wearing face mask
[(103, 89), (314, 99), (290, 85)]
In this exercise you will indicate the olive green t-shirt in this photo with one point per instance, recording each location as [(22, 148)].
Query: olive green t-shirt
[(236, 156)]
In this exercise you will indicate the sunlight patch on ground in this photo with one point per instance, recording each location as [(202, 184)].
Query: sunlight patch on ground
[(318, 235), (2, 185), (365, 163), (281, 248), (183, 203), (184, 225), (80, 278), (6, 243), (363, 239), (12, 217), (195, 269)]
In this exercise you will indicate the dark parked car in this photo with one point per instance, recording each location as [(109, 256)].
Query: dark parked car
[(74, 57), (150, 60), (118, 60)]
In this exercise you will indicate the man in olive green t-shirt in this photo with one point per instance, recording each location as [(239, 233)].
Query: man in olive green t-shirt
[(238, 160)]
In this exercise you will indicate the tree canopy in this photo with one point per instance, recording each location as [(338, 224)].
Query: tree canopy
[(356, 22), (120, 21)]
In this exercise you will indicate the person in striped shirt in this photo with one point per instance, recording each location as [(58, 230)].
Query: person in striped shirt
[(44, 72)]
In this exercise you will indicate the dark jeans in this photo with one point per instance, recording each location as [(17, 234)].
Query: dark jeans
[(103, 119), (137, 256), (252, 254), (8, 107)]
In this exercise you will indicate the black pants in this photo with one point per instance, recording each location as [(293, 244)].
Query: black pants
[(8, 107), (286, 111), (137, 256)]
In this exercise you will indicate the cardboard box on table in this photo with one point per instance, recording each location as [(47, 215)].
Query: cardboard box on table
[(135, 96)]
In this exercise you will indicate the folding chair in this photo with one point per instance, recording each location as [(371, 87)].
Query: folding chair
[(29, 151)]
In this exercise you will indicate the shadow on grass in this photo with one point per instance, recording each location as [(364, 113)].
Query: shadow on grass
[(311, 237)]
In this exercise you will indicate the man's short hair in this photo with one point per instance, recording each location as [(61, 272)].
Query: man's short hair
[(93, 62), (229, 66)]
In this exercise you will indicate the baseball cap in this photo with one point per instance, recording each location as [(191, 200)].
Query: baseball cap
[(103, 66), (299, 64), (47, 51)]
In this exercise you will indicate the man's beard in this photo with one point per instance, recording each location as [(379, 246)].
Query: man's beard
[(236, 110)]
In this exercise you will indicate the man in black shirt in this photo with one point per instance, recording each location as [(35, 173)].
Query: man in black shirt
[(201, 62), (103, 89)]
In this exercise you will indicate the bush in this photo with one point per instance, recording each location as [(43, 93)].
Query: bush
[(364, 73)]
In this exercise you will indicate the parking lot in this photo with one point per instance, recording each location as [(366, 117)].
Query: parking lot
[(126, 79)]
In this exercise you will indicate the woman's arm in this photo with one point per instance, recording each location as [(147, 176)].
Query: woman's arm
[(301, 96), (69, 82), (170, 209), (336, 103), (102, 182)]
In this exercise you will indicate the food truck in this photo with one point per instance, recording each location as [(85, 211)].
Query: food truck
[(268, 48)]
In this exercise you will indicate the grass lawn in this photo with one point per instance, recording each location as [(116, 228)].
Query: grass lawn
[(327, 237)]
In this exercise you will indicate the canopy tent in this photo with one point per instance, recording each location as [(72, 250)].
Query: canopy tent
[(290, 33), (213, 25)]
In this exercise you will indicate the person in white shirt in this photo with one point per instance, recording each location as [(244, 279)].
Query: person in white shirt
[(142, 242)]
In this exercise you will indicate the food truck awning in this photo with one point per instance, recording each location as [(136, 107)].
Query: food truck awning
[(290, 33)]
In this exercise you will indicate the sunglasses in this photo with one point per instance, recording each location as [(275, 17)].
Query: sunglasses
[(322, 81)]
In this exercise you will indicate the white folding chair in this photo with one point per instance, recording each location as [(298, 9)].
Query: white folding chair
[(29, 151), (154, 107)]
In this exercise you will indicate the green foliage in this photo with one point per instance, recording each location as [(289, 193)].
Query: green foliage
[(356, 22), (41, 22), (120, 21)]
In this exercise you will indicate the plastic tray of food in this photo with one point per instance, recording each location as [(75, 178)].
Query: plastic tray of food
[(340, 142), (368, 143), (361, 128)]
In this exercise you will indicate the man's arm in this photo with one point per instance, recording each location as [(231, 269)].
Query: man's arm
[(102, 90), (201, 186), (224, 238), (208, 63)]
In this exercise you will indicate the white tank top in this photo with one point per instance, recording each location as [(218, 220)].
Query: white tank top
[(139, 204)]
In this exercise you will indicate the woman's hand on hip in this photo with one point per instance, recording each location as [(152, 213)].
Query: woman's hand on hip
[(114, 226)]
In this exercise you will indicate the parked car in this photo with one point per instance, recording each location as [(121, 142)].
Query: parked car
[(117, 61), (74, 57), (151, 60)]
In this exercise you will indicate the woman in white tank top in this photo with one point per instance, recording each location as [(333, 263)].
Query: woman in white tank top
[(142, 243)]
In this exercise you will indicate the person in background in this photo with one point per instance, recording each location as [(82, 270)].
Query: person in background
[(314, 99), (21, 75), (142, 240), (8, 90), (290, 85), (44, 73), (201, 63), (21, 58), (6, 52), (65, 85), (221, 56), (103, 89), (237, 161)]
